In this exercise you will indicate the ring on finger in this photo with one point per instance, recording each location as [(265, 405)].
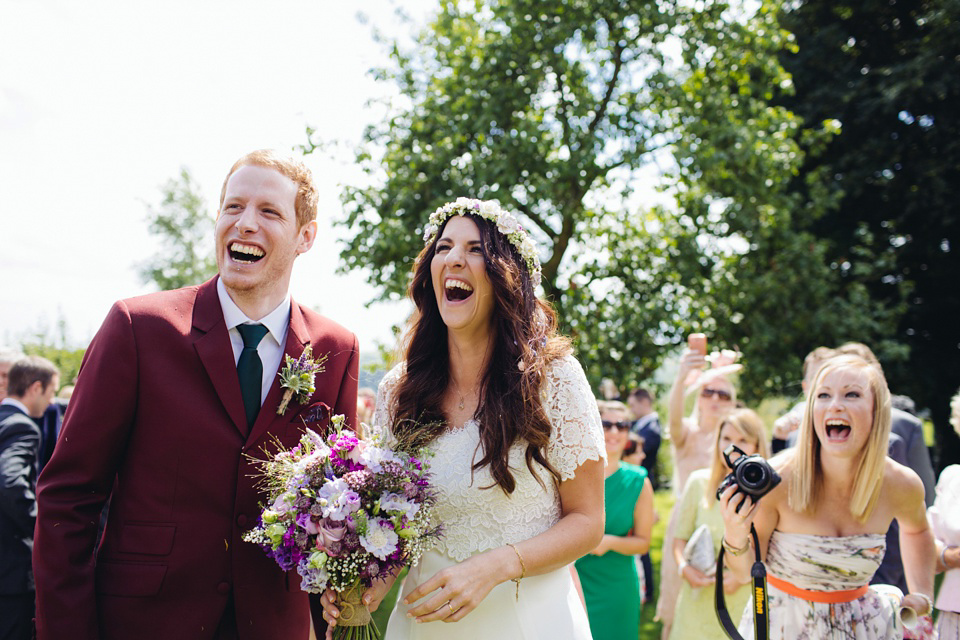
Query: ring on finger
[(450, 606)]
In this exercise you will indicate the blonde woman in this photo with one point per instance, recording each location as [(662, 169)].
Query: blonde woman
[(694, 616), (822, 530)]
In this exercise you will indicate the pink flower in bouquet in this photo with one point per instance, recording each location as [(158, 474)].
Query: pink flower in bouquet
[(329, 535), (356, 454)]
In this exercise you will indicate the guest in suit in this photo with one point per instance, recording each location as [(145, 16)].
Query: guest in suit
[(647, 426), (7, 358), (177, 395), (32, 382)]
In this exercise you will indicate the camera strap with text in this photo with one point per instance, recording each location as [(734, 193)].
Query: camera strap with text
[(759, 595)]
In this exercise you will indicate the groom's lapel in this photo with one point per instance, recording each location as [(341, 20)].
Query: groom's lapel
[(216, 353), (297, 340)]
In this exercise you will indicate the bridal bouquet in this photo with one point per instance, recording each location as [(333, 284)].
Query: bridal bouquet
[(344, 511)]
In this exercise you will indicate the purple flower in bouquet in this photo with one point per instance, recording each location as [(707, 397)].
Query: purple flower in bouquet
[(392, 502), (344, 441), (338, 499), (380, 539), (358, 480), (329, 536)]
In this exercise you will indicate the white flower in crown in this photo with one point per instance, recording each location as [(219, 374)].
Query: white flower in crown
[(506, 222)]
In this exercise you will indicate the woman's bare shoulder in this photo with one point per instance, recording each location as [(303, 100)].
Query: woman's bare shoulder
[(901, 483)]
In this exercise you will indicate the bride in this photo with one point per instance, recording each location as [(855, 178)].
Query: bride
[(516, 434)]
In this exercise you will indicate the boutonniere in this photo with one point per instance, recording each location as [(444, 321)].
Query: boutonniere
[(296, 378)]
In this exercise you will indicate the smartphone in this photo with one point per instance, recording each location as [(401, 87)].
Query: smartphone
[(697, 342)]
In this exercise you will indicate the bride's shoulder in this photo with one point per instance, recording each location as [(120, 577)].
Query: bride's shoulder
[(389, 383), (392, 378), (564, 368)]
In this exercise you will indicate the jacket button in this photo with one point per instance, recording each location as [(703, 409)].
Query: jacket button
[(241, 520), (223, 588)]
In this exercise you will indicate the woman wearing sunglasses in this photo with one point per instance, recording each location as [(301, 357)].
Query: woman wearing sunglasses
[(608, 574), (692, 439)]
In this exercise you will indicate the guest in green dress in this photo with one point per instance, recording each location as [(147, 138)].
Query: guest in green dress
[(695, 616), (608, 575)]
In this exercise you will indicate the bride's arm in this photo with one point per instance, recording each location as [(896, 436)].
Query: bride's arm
[(466, 584)]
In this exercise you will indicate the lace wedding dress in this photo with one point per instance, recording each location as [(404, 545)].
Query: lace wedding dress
[(477, 520)]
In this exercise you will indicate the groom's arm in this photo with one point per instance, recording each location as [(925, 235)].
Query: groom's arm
[(77, 481)]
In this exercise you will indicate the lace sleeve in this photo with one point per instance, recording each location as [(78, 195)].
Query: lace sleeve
[(572, 410), (387, 401)]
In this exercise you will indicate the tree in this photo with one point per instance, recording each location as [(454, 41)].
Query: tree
[(560, 110), (888, 74), (184, 228), (54, 346), (764, 284)]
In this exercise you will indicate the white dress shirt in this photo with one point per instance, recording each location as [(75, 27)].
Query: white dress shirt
[(271, 347)]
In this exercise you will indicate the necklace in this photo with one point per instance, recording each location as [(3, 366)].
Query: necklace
[(457, 389)]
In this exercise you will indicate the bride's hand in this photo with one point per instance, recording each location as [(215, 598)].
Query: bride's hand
[(372, 598), (454, 592)]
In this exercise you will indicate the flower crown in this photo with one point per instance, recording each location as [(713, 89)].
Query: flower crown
[(506, 222)]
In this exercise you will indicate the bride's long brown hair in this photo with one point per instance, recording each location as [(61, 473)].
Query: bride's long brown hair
[(525, 341)]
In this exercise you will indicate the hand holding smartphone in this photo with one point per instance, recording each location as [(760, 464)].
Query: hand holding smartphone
[(697, 342)]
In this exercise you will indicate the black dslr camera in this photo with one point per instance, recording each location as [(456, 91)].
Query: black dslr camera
[(752, 474)]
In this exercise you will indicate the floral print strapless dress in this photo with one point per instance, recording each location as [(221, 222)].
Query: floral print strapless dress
[(825, 563)]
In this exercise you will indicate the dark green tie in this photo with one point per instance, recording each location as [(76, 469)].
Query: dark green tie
[(250, 369)]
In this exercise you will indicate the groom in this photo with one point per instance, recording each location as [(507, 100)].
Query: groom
[(178, 393)]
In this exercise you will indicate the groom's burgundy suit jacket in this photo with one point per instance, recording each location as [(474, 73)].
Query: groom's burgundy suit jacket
[(157, 425)]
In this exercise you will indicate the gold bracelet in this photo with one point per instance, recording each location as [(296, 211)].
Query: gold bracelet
[(523, 568), (735, 551)]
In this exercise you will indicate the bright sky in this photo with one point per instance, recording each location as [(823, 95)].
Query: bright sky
[(102, 101)]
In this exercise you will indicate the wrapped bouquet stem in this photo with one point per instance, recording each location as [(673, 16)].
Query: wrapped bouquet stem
[(345, 511), (354, 614)]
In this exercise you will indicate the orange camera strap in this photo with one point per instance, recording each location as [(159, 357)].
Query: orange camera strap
[(826, 597)]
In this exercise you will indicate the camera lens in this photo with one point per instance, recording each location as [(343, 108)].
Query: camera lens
[(753, 474)]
